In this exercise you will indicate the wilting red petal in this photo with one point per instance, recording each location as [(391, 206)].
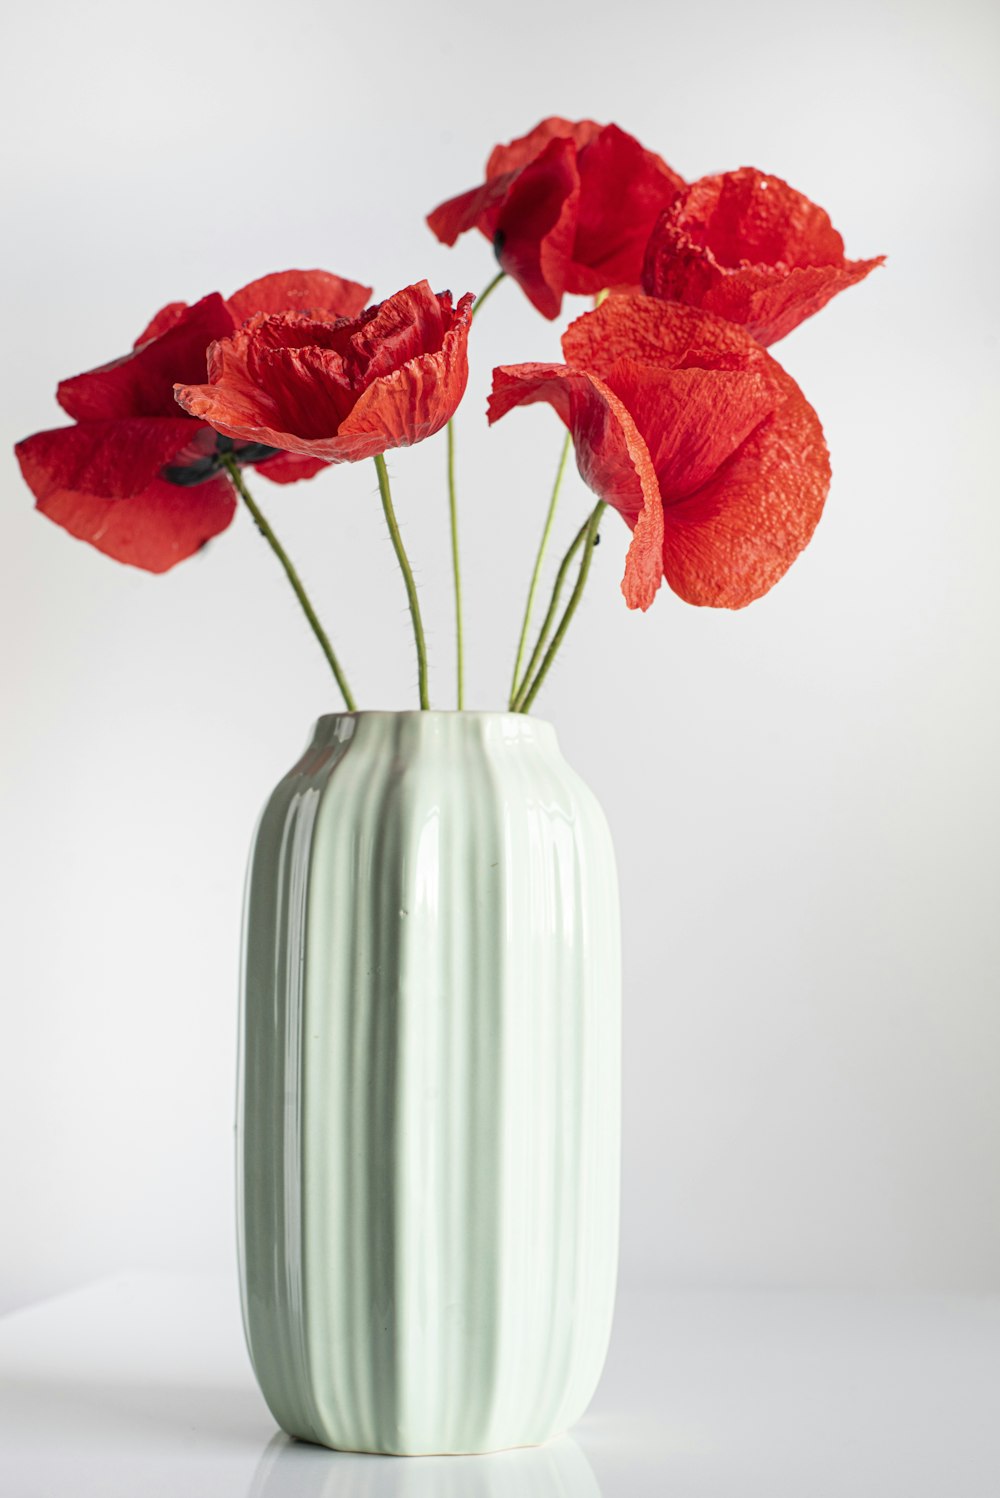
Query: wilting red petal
[(316, 291), (414, 401), (733, 539), (142, 382), (339, 391), (623, 190), (536, 226), (112, 459), (729, 540), (751, 249), (100, 482), (289, 468), (270, 394), (610, 453), (405, 325), (692, 420)]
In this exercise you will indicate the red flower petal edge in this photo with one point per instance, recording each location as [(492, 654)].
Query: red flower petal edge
[(739, 464), (751, 249), (568, 207), (340, 391), (612, 458), (138, 478), (101, 482)]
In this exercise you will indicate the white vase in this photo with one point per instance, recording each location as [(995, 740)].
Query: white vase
[(429, 1107)]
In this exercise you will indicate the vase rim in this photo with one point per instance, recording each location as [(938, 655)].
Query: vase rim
[(414, 726), (425, 713)]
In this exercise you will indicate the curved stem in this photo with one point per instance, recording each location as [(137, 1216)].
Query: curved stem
[(481, 298), (542, 547), (411, 587), (590, 536), (236, 478), (456, 568), (550, 615)]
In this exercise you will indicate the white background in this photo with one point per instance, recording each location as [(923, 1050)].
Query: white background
[(803, 793)]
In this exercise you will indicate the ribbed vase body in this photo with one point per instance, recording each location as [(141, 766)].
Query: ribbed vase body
[(429, 1109)]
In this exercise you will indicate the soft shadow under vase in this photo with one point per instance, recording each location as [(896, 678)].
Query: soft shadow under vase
[(430, 1087)]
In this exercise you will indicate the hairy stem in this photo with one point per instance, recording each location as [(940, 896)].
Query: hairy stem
[(407, 571), (236, 477)]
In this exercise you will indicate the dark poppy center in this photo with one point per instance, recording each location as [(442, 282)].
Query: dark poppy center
[(207, 466)]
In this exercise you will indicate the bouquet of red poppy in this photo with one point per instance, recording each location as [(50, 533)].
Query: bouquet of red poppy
[(680, 420)]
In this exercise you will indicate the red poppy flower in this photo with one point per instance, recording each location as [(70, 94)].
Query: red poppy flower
[(751, 249), (341, 390), (699, 439), (135, 476), (568, 208)]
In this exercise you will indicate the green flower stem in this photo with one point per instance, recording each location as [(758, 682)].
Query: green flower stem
[(456, 567), (542, 547), (501, 275), (236, 477), (411, 587), (550, 614), (589, 539)]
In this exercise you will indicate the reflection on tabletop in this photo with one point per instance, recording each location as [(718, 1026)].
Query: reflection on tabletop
[(293, 1469)]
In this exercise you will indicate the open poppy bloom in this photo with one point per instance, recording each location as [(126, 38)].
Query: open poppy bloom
[(568, 208), (339, 390), (699, 439), (135, 476), (751, 249)]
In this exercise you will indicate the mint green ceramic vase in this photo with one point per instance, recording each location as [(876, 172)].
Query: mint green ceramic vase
[(429, 1102)]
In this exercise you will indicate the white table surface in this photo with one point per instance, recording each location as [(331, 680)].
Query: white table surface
[(140, 1386)]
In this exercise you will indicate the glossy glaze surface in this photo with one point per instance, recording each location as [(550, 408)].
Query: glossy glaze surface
[(429, 1098)]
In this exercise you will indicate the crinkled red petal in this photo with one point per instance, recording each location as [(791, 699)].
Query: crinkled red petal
[(414, 401), (100, 482), (142, 382), (730, 539), (312, 400), (611, 455), (316, 291), (751, 249), (692, 420)]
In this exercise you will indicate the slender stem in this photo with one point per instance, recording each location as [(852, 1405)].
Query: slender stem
[(411, 587), (456, 568), (542, 547), (236, 477), (501, 275), (550, 614), (590, 536)]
